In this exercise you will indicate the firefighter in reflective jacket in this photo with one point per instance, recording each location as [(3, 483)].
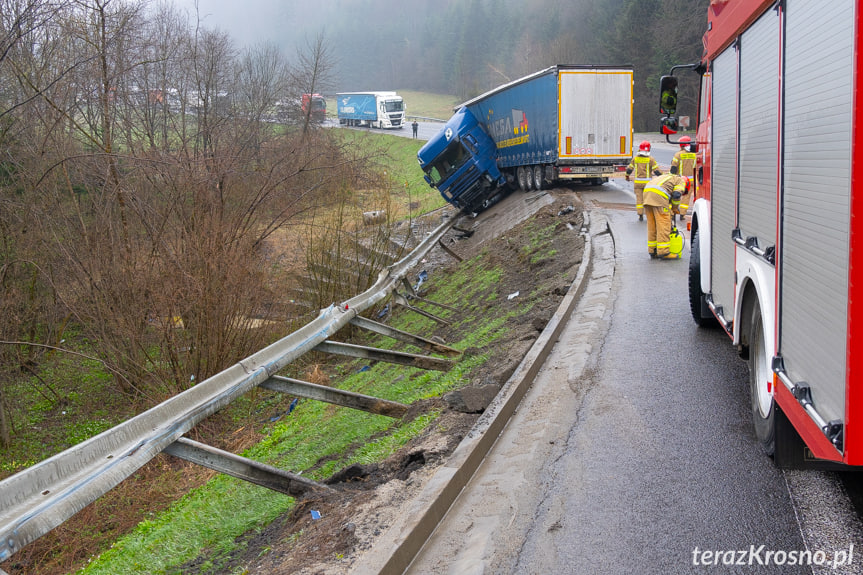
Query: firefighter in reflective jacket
[(662, 195), (685, 162), (643, 167)]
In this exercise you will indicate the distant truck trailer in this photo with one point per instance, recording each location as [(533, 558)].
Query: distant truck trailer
[(372, 109)]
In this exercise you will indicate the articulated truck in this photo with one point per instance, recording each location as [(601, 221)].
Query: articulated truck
[(371, 109), (315, 107), (561, 123), (777, 240)]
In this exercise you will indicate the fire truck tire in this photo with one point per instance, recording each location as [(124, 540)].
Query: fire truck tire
[(696, 296), (537, 177), (763, 405)]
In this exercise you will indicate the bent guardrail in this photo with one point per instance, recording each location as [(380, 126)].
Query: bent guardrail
[(38, 499)]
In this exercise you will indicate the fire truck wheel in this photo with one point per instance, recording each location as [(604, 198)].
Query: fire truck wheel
[(760, 384), (695, 294), (537, 177)]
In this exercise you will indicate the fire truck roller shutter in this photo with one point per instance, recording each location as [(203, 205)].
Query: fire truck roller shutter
[(819, 97), (759, 121), (724, 184)]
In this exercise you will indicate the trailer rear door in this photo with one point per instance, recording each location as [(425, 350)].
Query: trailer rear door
[(595, 114)]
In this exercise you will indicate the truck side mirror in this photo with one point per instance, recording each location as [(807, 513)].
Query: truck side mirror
[(669, 125), (668, 95)]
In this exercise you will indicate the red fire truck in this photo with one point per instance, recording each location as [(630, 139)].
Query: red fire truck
[(776, 232)]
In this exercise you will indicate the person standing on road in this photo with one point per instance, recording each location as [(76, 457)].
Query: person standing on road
[(661, 195), (643, 165), (685, 162), (415, 128)]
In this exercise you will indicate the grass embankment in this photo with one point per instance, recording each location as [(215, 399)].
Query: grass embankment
[(70, 399), (409, 191), (315, 440)]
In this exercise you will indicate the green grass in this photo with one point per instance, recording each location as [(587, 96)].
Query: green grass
[(540, 246), (426, 105), (400, 167), (70, 401)]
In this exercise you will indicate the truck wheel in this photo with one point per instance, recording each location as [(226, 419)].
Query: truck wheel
[(521, 174), (761, 385), (537, 177), (696, 296)]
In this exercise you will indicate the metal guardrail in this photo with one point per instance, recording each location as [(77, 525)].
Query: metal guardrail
[(38, 499), (424, 119)]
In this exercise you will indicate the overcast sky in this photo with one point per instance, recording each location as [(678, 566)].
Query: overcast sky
[(282, 22)]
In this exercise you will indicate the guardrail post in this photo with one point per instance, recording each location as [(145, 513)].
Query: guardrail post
[(404, 336), (243, 468), (335, 396)]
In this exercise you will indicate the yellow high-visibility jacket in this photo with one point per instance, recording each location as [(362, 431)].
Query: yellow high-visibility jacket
[(685, 162), (660, 190), (643, 166)]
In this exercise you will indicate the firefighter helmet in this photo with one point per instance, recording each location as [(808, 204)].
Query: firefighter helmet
[(684, 141), (644, 146)]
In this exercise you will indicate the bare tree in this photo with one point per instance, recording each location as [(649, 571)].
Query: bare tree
[(312, 73)]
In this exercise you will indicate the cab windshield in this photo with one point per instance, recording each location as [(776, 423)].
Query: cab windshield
[(448, 162), (394, 105)]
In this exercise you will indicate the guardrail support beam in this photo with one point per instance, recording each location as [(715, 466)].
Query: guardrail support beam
[(401, 300), (404, 336), (412, 295), (335, 396), (243, 468), (372, 353)]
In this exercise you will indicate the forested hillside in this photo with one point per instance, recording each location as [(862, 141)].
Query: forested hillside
[(466, 47)]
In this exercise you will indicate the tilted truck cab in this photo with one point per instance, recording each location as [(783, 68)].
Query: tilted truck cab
[(460, 161)]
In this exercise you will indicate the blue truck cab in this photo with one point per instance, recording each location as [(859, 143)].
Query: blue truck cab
[(461, 162)]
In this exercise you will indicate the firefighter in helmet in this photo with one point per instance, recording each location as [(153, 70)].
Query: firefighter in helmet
[(662, 195), (640, 170), (685, 162)]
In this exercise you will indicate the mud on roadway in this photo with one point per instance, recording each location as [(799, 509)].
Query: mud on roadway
[(369, 498)]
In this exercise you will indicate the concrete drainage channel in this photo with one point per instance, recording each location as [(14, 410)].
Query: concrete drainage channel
[(401, 543)]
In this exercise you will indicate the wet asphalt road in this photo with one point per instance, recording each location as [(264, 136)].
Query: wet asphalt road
[(662, 460), (634, 453)]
